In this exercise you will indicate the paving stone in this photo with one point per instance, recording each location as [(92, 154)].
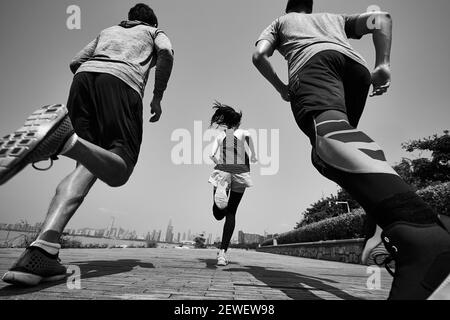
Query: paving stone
[(162, 274)]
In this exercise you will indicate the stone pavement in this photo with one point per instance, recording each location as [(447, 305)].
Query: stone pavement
[(189, 274)]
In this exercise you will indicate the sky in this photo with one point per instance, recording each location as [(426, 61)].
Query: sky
[(213, 42)]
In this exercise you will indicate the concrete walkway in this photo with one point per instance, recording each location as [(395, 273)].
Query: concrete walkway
[(188, 274)]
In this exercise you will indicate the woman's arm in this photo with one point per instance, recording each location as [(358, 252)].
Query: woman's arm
[(215, 148), (251, 146)]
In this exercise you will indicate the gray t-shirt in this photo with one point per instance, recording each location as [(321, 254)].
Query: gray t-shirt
[(127, 51), (299, 36)]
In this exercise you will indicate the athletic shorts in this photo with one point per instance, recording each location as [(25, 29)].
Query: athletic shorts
[(330, 81), (108, 113), (239, 181)]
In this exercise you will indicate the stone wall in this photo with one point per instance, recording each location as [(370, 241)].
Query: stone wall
[(348, 251)]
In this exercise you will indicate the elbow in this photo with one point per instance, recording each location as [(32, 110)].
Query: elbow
[(385, 18), (73, 67), (257, 58), (167, 53)]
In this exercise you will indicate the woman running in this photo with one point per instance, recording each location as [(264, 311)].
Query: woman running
[(231, 175)]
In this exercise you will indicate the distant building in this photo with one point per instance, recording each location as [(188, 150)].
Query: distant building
[(169, 232), (209, 241), (158, 236), (247, 238)]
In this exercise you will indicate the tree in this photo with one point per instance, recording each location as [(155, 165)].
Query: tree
[(328, 207), (200, 241), (420, 173), (423, 172)]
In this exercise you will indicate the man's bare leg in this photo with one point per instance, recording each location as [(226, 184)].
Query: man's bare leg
[(70, 194), (103, 164)]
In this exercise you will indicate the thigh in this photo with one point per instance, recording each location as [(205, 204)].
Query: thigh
[(240, 182), (319, 86), (81, 107), (119, 111), (357, 82), (234, 201)]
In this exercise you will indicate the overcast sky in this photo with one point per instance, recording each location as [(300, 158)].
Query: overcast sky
[(213, 42)]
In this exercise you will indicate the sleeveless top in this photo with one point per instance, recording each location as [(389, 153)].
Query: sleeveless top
[(233, 156)]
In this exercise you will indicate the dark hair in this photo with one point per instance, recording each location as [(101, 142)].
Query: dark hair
[(225, 115), (294, 5), (142, 12)]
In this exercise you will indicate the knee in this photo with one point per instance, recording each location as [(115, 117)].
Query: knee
[(118, 181), (120, 178)]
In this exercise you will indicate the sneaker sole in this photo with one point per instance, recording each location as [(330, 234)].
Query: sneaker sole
[(371, 257), (221, 196), (442, 292), (28, 279), (19, 148), (369, 252)]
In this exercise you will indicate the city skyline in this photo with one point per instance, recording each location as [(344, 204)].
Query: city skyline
[(157, 235)]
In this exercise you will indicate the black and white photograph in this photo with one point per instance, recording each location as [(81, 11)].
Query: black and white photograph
[(224, 159)]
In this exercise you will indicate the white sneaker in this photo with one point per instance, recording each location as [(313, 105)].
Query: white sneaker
[(374, 249), (221, 196), (222, 260)]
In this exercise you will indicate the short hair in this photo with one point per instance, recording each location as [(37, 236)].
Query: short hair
[(142, 12), (294, 5), (225, 116)]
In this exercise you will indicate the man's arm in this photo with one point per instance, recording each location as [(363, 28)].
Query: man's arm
[(164, 65), (264, 50), (379, 24), (84, 55)]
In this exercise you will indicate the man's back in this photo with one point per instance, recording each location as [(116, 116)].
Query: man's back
[(127, 51), (130, 42), (299, 36)]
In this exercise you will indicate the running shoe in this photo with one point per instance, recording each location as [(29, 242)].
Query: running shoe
[(42, 137), (221, 196), (374, 251), (422, 260), (34, 266), (222, 259)]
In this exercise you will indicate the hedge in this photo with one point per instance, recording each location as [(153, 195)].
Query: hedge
[(351, 225), (438, 197)]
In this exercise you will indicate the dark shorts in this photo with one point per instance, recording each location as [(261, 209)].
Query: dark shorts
[(330, 81), (107, 112)]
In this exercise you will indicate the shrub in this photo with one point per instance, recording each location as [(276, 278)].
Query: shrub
[(151, 244), (438, 197), (346, 226), (351, 225), (67, 243)]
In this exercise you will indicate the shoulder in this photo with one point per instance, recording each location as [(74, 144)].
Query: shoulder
[(156, 32), (333, 16), (243, 133), (221, 136)]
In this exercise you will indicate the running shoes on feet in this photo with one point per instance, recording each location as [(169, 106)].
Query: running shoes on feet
[(222, 195), (222, 259), (42, 137), (374, 252), (422, 260), (34, 266)]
